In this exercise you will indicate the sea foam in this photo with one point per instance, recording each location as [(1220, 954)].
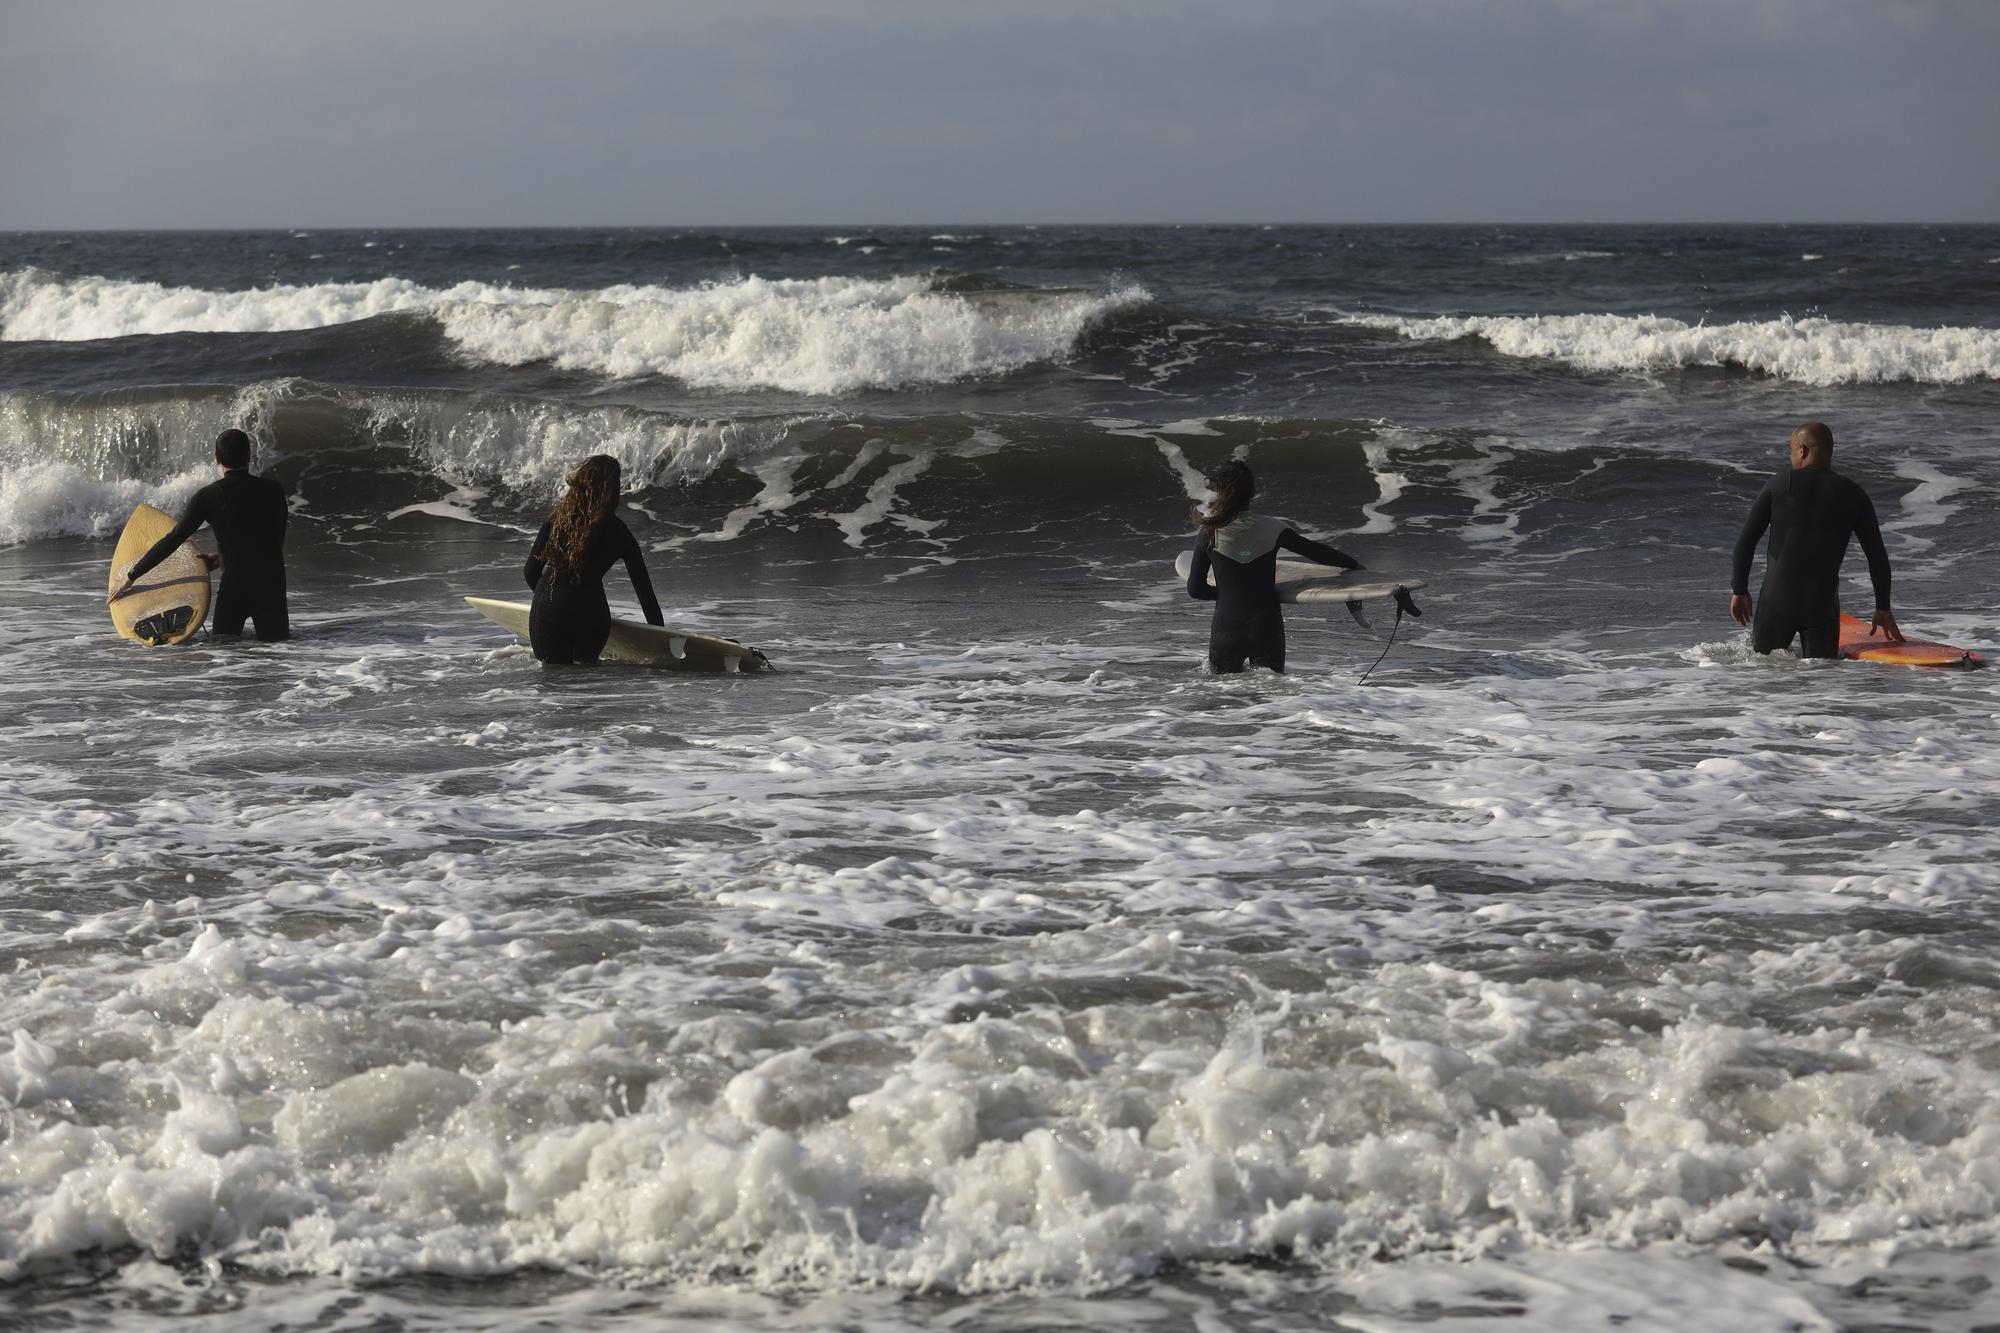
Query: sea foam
[(1810, 351)]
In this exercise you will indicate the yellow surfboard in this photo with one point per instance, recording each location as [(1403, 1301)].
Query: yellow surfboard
[(169, 604)]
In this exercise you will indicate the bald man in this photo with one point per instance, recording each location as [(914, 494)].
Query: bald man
[(1811, 511)]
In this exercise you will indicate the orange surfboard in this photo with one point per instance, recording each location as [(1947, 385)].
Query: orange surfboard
[(1859, 641)]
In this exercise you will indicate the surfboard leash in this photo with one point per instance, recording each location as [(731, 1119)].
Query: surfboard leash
[(1404, 603)]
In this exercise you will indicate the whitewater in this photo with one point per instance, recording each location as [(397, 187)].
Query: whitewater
[(988, 963)]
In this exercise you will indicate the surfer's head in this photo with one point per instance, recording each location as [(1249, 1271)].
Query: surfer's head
[(1234, 487), (232, 449), (1812, 445), (592, 495)]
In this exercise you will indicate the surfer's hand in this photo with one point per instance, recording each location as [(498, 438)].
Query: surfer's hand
[(118, 592), (1739, 607), (212, 561), (1885, 623)]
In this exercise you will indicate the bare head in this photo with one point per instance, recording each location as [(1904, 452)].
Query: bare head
[(1234, 486), (232, 450), (1812, 445)]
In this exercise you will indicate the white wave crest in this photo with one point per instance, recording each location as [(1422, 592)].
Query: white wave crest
[(813, 336), (39, 307), (1809, 351), (1555, 257)]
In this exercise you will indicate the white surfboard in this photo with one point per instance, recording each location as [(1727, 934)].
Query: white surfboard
[(1305, 583), (643, 644)]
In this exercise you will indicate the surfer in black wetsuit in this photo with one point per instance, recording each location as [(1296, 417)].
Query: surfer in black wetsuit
[(569, 619), (1811, 511), (1242, 548), (248, 515)]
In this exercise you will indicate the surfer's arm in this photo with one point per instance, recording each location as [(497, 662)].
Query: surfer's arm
[(1870, 533), (534, 567), (1198, 585), (642, 583), (1317, 552), (1754, 527), (197, 514)]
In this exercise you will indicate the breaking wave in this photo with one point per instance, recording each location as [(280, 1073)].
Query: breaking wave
[(74, 465), (1808, 351), (825, 336)]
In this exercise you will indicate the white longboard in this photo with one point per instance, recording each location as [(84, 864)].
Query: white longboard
[(637, 642), (1305, 583)]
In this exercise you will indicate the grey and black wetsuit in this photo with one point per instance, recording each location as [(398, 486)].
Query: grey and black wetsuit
[(249, 515), (1811, 512), (1244, 555), (569, 620)]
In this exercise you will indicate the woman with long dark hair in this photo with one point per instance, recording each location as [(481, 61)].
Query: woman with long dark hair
[(569, 619), (1242, 549)]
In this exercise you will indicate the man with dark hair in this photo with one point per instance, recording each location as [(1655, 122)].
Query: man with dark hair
[(249, 516), (1811, 511)]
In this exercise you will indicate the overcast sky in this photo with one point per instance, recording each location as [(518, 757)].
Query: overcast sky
[(204, 113)]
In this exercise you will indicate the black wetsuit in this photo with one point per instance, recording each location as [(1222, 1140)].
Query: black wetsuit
[(569, 619), (1248, 625), (1811, 512), (248, 515)]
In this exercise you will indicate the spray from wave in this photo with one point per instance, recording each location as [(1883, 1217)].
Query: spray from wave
[(1808, 351)]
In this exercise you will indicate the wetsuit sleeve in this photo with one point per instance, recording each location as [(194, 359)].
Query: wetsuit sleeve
[(535, 561), (642, 583), (197, 514), (1318, 552), (1198, 585), (1870, 533), (1746, 542)]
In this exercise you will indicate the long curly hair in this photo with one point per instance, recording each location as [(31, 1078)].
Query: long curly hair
[(592, 495), (1234, 487)]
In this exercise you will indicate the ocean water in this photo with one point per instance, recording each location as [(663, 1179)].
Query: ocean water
[(989, 965)]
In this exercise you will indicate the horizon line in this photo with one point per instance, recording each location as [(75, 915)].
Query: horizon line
[(1021, 226)]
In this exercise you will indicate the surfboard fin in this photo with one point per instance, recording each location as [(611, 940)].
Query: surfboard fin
[(164, 626), (1360, 616), (1407, 604)]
